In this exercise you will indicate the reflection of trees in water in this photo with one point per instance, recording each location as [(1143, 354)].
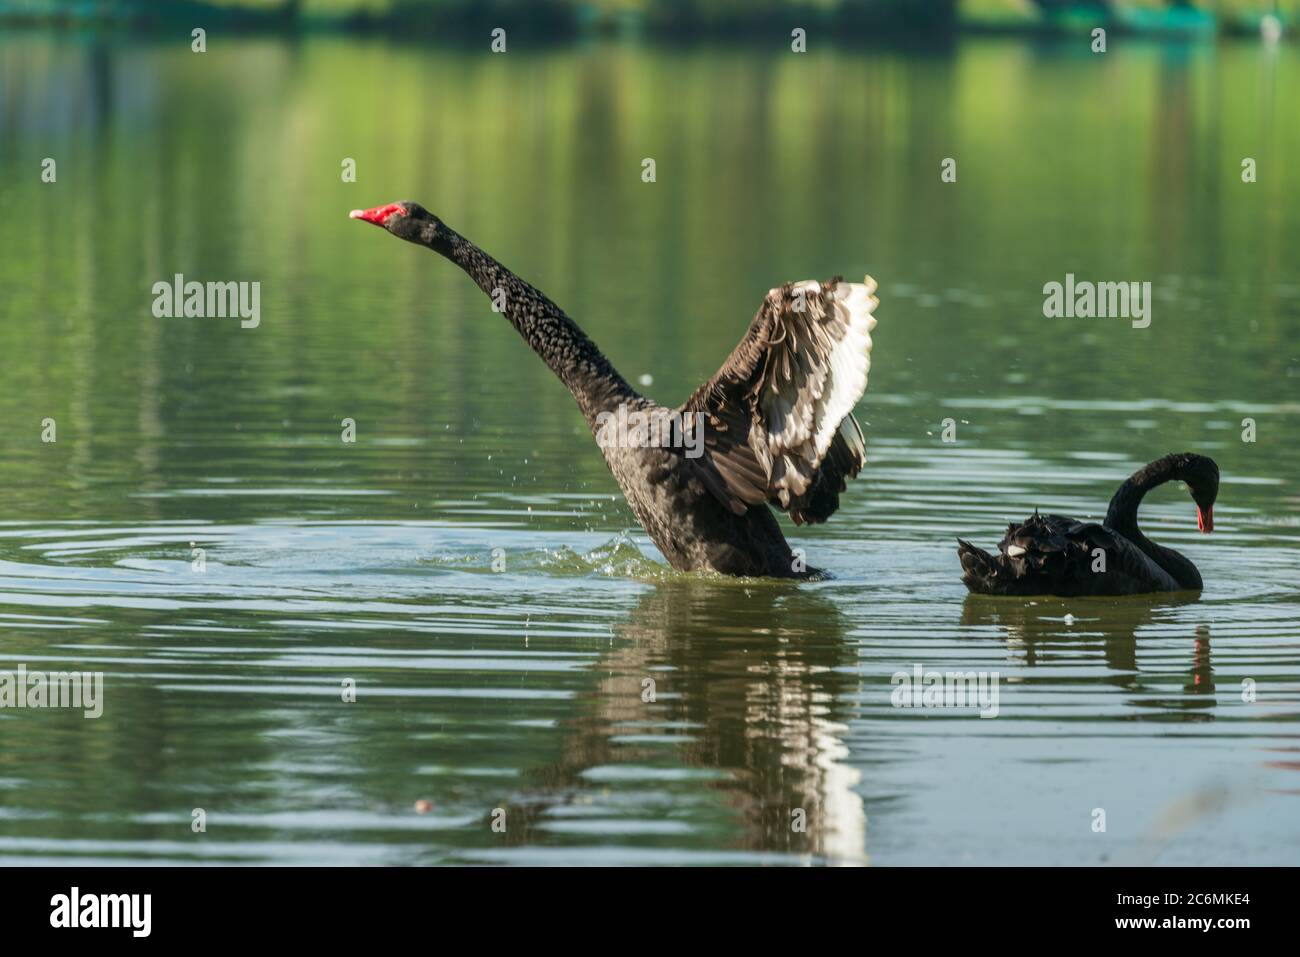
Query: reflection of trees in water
[(1036, 632), (753, 681)]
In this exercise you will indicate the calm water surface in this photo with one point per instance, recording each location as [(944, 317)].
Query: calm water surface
[(468, 561)]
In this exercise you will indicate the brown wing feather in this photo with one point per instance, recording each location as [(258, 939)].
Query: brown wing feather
[(823, 497), (776, 417)]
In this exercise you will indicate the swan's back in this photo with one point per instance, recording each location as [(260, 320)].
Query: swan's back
[(1058, 555)]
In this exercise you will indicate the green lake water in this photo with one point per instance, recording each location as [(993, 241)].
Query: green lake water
[(469, 563)]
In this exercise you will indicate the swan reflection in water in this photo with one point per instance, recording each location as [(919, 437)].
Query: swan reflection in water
[(752, 685), (1052, 628)]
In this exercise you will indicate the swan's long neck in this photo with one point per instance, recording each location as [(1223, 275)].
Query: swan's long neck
[(566, 349), (1122, 517)]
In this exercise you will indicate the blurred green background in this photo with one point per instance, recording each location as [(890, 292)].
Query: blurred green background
[(688, 16)]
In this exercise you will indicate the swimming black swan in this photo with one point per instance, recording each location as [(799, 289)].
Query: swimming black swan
[(1054, 555), (774, 425)]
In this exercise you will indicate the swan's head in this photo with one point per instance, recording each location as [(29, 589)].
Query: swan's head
[(405, 220), (1201, 476)]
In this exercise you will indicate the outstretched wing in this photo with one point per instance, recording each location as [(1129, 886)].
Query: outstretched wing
[(778, 416)]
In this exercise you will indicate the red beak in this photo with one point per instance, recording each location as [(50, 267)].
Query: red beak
[(379, 215), (1205, 519)]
